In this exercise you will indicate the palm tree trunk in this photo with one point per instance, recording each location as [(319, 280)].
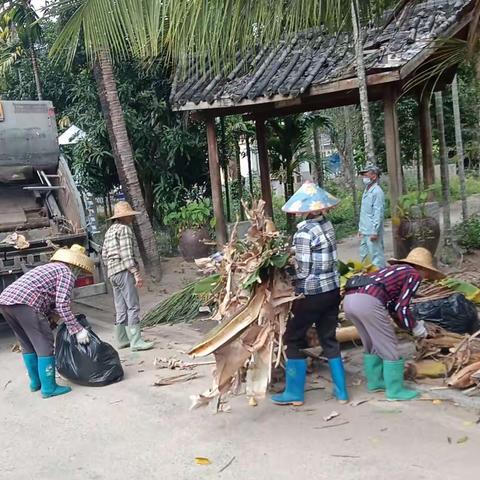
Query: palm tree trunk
[(443, 164), (459, 142), (348, 159), (124, 160), (362, 84), (36, 72)]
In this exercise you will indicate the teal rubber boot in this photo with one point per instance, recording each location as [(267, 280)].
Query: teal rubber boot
[(31, 363), (295, 376), (46, 372), (135, 336), (373, 368), (338, 378), (393, 375), (121, 336)]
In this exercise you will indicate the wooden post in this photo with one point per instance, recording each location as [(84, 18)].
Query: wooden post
[(249, 161), (392, 147), (264, 165), (216, 183), (426, 141)]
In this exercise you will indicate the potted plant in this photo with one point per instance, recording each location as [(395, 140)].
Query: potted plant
[(192, 224), (416, 228)]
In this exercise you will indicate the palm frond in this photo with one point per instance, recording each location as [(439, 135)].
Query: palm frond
[(211, 31)]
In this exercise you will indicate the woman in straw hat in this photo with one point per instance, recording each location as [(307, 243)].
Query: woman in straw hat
[(316, 278), (118, 254), (369, 302), (26, 305)]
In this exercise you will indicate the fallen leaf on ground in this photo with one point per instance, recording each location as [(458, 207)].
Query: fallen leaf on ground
[(331, 416), (462, 440), (184, 377), (358, 402), (202, 461), (437, 402)]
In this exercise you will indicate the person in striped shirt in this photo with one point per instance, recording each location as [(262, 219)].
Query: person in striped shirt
[(370, 304)]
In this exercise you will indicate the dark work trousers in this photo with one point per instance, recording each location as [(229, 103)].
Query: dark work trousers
[(31, 329), (321, 310)]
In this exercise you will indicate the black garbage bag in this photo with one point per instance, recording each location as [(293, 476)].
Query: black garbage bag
[(94, 365), (455, 313)]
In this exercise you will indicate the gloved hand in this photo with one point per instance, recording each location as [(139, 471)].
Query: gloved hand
[(419, 330), (83, 337)]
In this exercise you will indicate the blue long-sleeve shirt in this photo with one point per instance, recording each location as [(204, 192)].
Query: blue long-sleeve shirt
[(372, 211)]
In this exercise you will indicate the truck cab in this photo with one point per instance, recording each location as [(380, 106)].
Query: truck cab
[(40, 206)]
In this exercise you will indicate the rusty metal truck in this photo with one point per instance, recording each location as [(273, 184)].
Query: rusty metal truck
[(40, 206)]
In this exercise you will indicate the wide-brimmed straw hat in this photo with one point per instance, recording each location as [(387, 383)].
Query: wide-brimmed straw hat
[(310, 198), (123, 209), (420, 257), (75, 255)]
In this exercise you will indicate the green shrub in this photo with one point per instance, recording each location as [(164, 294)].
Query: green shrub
[(467, 233)]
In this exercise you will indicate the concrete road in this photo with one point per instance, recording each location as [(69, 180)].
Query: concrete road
[(132, 430)]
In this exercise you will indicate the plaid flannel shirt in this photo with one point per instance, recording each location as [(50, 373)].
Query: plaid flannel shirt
[(316, 257), (47, 289), (118, 250), (401, 282)]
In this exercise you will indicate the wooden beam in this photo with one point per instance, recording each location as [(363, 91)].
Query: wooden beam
[(264, 165), (426, 141), (392, 147), (279, 101), (216, 183)]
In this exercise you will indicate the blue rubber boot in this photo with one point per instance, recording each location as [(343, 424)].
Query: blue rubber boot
[(31, 363), (295, 376), (46, 372), (338, 378)]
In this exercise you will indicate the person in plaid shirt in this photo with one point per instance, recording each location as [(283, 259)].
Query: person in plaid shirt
[(386, 292), (316, 278), (27, 304), (118, 254)]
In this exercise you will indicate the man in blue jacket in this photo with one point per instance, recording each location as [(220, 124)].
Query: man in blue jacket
[(372, 211)]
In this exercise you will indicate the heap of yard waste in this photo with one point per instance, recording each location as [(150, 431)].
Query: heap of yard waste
[(249, 292)]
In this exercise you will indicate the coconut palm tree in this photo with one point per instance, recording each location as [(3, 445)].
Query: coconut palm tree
[(20, 31), (84, 17)]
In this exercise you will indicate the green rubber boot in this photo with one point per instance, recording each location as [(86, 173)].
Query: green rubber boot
[(393, 375), (31, 364), (373, 368), (121, 336), (46, 372), (135, 336)]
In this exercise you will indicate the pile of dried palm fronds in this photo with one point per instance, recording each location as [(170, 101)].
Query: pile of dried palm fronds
[(252, 305), (459, 355)]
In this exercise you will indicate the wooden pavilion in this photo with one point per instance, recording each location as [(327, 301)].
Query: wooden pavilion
[(313, 71)]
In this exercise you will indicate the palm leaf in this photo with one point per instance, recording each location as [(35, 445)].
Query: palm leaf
[(211, 31)]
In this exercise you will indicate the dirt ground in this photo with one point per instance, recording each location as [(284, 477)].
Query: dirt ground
[(134, 430)]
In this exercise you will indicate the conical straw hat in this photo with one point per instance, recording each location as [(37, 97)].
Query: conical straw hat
[(420, 257), (310, 198), (123, 209), (75, 255)]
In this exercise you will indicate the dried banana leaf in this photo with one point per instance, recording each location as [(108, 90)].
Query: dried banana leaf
[(465, 377), (230, 327)]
